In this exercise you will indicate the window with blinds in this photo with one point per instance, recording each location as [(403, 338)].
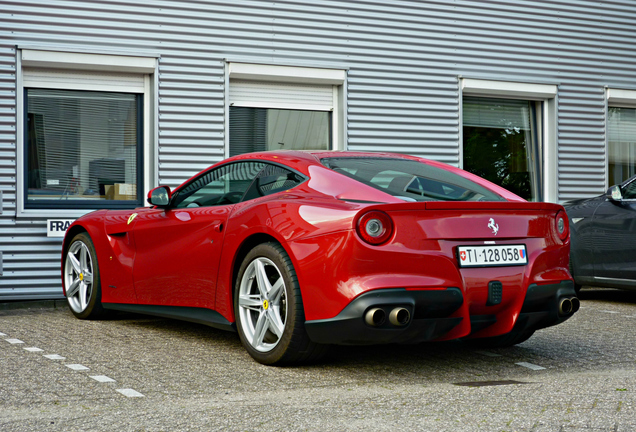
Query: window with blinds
[(83, 149), (621, 142), (260, 129), (280, 116), (501, 143)]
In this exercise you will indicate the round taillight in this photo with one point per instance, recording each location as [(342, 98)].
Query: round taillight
[(562, 225), (375, 227)]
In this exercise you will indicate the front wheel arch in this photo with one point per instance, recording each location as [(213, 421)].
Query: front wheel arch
[(68, 238), (81, 277), (70, 234)]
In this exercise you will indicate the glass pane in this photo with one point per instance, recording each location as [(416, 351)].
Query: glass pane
[(260, 129), (410, 180), (500, 144), (81, 146), (629, 191), (621, 131), (221, 186), (273, 179)]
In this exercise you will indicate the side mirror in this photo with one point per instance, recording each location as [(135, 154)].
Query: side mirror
[(160, 196), (614, 193)]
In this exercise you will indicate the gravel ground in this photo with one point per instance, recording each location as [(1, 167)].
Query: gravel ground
[(170, 376)]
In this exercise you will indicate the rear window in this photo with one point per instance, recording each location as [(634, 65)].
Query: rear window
[(410, 180)]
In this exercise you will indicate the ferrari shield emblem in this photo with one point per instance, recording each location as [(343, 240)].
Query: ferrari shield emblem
[(131, 218)]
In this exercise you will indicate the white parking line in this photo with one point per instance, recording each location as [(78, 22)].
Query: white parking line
[(130, 393), (54, 357), (609, 311), (102, 378), (77, 367), (488, 353), (530, 366)]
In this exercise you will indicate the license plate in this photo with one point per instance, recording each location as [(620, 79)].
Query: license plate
[(499, 255)]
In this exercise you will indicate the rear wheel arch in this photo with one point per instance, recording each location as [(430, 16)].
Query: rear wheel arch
[(246, 246), (268, 307)]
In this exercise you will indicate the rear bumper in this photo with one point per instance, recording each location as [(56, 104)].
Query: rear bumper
[(430, 313), (433, 315), (541, 307)]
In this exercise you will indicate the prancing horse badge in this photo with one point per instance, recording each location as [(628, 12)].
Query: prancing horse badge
[(493, 226)]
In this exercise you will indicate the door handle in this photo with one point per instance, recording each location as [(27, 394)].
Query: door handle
[(218, 227)]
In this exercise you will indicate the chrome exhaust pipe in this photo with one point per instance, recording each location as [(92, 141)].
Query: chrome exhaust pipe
[(576, 304), (375, 317), (399, 316), (565, 307)]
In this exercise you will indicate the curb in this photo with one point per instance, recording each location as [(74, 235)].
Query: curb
[(37, 304)]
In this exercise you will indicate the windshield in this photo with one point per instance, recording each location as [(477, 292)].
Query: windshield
[(410, 180)]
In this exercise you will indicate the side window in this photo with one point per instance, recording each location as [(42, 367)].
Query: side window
[(224, 185), (629, 192), (273, 179)]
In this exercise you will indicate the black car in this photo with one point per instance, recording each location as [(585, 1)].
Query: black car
[(603, 238)]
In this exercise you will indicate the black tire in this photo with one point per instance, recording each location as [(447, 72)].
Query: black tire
[(281, 312), (84, 298), (503, 341)]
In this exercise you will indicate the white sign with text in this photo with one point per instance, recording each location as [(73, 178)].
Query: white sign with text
[(57, 227)]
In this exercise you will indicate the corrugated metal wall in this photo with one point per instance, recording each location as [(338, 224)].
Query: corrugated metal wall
[(403, 57)]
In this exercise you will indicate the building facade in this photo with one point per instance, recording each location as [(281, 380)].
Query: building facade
[(102, 100)]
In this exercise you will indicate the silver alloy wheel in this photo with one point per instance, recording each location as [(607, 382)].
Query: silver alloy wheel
[(262, 304), (78, 276)]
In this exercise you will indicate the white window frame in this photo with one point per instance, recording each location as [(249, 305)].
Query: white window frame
[(337, 78), (77, 62), (619, 98), (546, 93)]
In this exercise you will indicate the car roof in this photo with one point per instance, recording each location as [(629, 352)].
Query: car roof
[(298, 158), (301, 160)]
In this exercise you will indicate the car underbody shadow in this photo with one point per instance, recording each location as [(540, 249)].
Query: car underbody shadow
[(608, 294)]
